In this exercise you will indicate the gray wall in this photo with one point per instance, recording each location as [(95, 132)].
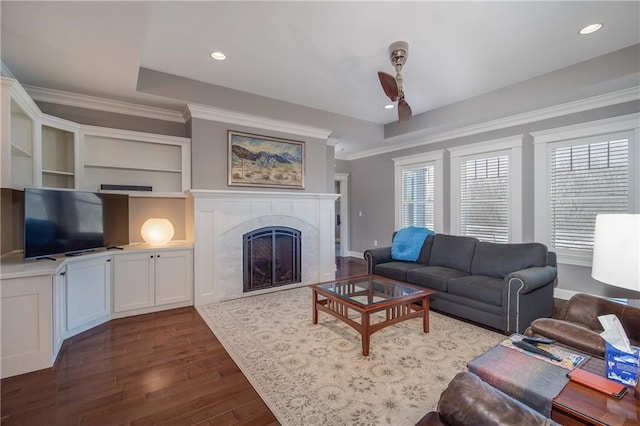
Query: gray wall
[(372, 191), (114, 120), (209, 158)]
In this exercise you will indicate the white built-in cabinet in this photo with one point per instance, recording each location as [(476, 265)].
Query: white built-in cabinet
[(88, 300), (45, 151), (26, 309), (59, 310), (144, 280), (44, 302)]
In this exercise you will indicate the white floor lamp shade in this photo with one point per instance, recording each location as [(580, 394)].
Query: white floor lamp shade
[(616, 250), (157, 231)]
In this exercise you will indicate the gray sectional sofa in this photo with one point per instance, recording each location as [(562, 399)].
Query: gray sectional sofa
[(503, 286)]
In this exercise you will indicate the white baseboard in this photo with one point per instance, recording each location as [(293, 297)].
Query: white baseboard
[(356, 254), (559, 293)]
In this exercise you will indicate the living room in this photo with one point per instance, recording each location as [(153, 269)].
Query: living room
[(139, 91)]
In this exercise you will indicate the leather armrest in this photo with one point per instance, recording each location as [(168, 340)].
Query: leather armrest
[(570, 334), (469, 400)]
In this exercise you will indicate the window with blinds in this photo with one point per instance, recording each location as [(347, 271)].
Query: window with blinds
[(418, 197), (484, 198), (586, 179)]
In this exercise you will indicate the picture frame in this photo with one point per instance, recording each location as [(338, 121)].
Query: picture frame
[(265, 161)]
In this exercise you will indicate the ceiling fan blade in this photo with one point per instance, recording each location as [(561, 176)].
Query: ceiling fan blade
[(389, 85), (404, 111)]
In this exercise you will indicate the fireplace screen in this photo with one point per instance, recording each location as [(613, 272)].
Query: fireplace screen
[(271, 257)]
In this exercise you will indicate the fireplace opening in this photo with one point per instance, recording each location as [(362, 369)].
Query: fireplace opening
[(271, 257)]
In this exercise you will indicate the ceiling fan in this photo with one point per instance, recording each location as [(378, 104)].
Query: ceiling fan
[(394, 86)]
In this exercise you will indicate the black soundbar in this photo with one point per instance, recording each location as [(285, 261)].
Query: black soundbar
[(110, 187)]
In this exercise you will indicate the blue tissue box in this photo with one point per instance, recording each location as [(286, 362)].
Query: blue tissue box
[(623, 367)]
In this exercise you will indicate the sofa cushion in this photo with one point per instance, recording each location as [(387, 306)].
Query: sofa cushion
[(434, 277), (478, 287), (395, 270), (499, 260), (452, 251)]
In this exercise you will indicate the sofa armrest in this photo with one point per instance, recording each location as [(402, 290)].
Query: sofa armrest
[(375, 256), (528, 295), (469, 400), (532, 278), (570, 334)]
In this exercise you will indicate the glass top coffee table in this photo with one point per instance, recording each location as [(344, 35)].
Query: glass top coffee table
[(368, 294)]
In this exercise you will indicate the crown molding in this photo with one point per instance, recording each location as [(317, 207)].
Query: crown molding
[(621, 96), (18, 92), (242, 119), (6, 72), (101, 104)]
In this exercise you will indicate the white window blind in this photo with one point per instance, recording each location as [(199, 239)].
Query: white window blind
[(586, 179), (484, 198), (418, 197)]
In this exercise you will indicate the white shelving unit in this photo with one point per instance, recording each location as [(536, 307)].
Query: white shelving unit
[(45, 151), (20, 136), (134, 158), (59, 152)]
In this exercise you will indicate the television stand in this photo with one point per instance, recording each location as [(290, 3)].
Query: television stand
[(48, 258), (79, 253), (114, 248)]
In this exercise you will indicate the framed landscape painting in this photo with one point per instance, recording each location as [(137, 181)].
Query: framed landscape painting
[(265, 161)]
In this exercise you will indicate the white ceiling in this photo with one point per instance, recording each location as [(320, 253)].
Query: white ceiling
[(323, 55)]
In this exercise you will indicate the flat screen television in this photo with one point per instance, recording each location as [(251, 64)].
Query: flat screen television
[(68, 222)]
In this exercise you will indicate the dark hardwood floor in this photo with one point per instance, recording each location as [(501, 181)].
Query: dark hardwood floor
[(165, 368)]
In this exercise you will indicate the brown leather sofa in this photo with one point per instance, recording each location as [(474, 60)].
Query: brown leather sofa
[(578, 326), (468, 400)]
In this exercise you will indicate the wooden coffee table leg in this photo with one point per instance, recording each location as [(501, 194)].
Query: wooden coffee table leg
[(315, 307), (366, 334), (425, 313)]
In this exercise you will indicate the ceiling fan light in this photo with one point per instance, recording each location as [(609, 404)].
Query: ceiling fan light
[(592, 28), (389, 106), (219, 56)]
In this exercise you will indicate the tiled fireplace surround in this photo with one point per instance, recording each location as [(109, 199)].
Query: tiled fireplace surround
[(221, 218)]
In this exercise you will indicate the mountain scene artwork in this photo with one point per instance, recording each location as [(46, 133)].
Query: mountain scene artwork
[(265, 161)]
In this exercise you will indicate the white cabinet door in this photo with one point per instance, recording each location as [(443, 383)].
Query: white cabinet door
[(59, 310), (26, 324), (88, 292), (173, 276), (134, 279)]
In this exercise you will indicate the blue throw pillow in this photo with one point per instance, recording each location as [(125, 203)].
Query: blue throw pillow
[(408, 242)]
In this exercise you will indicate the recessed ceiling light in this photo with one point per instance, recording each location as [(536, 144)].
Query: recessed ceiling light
[(218, 56), (389, 106), (590, 29)]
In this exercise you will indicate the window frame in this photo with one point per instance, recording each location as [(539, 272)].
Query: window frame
[(511, 147), (409, 162), (544, 141)]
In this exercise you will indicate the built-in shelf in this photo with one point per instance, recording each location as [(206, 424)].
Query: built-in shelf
[(141, 169), (57, 172), (19, 152), (45, 151)]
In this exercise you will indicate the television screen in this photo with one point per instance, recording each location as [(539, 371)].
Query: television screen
[(59, 221)]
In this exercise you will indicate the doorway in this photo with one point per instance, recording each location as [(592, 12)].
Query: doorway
[(342, 214)]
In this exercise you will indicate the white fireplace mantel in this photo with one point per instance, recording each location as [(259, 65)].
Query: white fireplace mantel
[(222, 217)]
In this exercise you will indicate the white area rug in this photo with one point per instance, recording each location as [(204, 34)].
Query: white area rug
[(316, 374)]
